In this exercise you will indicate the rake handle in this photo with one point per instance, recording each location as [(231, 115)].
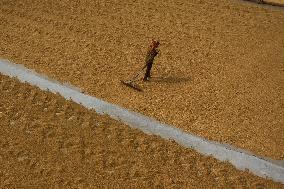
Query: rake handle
[(139, 73)]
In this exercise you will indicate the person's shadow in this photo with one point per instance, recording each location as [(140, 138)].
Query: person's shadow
[(170, 79)]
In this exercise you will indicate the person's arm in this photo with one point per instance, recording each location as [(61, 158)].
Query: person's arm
[(158, 52)]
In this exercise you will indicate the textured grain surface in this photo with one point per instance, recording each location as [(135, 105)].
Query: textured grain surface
[(220, 74), (48, 141)]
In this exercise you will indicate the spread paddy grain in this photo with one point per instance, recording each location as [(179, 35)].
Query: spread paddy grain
[(47, 141), (220, 74)]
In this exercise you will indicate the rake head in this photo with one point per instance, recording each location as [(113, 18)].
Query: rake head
[(132, 85)]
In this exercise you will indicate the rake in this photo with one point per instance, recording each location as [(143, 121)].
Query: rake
[(131, 82)]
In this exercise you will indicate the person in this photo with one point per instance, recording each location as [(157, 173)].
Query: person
[(151, 54)]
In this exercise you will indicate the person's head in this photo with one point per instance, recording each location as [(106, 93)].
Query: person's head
[(155, 44)]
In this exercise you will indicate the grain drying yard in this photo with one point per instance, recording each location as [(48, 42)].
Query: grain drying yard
[(220, 76)]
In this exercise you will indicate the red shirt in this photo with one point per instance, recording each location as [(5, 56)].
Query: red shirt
[(151, 55)]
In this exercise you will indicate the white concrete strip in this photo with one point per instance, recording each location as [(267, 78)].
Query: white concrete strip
[(269, 4), (239, 158)]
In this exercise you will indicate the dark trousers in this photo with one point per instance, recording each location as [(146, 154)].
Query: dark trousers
[(148, 70)]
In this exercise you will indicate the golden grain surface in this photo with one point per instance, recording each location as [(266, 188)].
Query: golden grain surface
[(49, 142), (220, 74)]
